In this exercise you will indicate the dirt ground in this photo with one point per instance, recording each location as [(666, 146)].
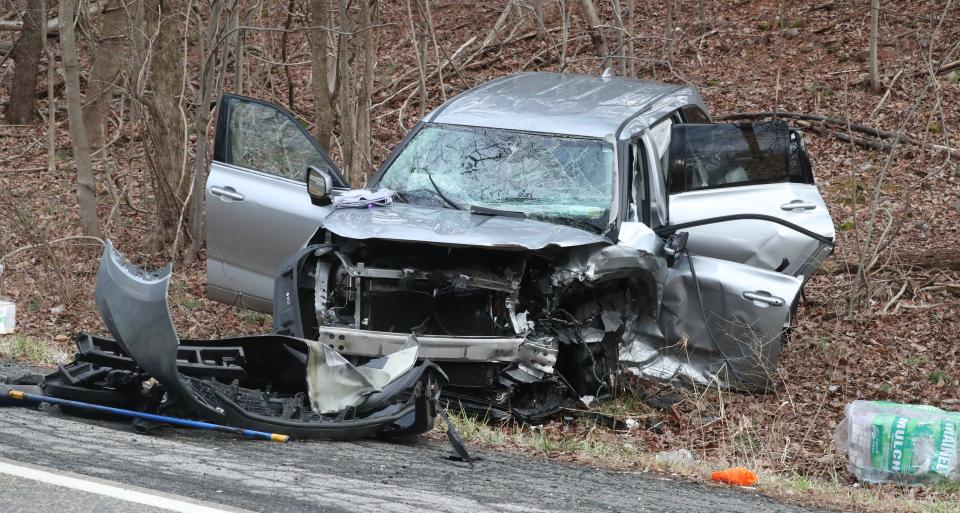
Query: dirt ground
[(900, 343)]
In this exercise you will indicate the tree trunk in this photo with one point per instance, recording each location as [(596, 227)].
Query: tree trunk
[(668, 33), (370, 16), (210, 87), (26, 56), (51, 98), (631, 47), (346, 96), (537, 7), (158, 39), (284, 46), (86, 188), (875, 83), (319, 40), (621, 41), (107, 61), (593, 22), (418, 38)]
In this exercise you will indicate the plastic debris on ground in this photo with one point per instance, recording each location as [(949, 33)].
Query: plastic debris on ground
[(363, 198), (899, 443), (736, 476), (8, 317), (677, 457)]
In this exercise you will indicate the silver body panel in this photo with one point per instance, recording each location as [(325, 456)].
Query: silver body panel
[(741, 334), (450, 227), (568, 104), (732, 316), (757, 243), (248, 239)]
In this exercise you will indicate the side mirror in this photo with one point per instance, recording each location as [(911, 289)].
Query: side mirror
[(319, 185), (675, 245)]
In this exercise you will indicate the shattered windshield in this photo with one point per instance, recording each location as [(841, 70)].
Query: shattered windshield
[(562, 179)]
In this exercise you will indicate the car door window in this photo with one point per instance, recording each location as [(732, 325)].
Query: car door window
[(265, 138), (706, 156), (694, 114)]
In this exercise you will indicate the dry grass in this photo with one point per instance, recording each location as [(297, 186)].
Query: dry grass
[(589, 444), (32, 350)]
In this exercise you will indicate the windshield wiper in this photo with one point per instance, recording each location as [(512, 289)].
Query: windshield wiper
[(487, 211), (440, 193), (573, 222)]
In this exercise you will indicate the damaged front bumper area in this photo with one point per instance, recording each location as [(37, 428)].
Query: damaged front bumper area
[(522, 334), (273, 383)]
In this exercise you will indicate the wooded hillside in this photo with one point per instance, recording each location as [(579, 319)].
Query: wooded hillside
[(108, 109)]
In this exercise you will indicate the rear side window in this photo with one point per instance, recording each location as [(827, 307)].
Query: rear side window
[(707, 156), (693, 114), (266, 139)]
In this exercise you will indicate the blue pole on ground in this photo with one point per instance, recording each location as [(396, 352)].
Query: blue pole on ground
[(249, 433)]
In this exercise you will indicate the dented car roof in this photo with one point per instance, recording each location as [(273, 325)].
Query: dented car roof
[(552, 102)]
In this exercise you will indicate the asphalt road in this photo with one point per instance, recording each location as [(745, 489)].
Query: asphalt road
[(53, 462)]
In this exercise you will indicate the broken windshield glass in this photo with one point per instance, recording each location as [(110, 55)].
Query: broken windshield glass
[(548, 177)]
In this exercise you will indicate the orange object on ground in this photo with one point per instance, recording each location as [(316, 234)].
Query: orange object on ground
[(737, 476)]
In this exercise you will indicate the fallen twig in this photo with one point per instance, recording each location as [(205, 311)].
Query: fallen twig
[(886, 94), (23, 170)]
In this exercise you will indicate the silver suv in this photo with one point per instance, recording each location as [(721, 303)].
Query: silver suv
[(547, 231)]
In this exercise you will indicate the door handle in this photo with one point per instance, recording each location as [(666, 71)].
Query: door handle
[(227, 192), (798, 205), (763, 296)]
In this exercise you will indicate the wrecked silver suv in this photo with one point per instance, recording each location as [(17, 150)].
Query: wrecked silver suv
[(547, 231)]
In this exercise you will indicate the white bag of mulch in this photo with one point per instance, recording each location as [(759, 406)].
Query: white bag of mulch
[(899, 443), (8, 317)]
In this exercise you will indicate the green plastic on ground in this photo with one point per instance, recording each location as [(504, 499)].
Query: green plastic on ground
[(899, 442)]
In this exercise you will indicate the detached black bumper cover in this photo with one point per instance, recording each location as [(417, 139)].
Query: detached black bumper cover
[(256, 382)]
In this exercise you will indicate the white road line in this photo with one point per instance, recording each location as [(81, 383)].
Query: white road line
[(97, 487)]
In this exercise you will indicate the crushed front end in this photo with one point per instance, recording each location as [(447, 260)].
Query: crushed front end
[(520, 331)]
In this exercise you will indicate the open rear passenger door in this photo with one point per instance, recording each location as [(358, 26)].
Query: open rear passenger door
[(258, 209), (725, 169)]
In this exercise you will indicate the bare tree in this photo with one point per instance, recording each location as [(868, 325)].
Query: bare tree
[(209, 87), (51, 98), (157, 63), (356, 65), (875, 83), (631, 48), (419, 34), (596, 37), (668, 32), (26, 56), (320, 67), (284, 46), (108, 50), (621, 35), (86, 188)]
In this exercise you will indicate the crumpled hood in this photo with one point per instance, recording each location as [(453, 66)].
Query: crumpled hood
[(409, 223)]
